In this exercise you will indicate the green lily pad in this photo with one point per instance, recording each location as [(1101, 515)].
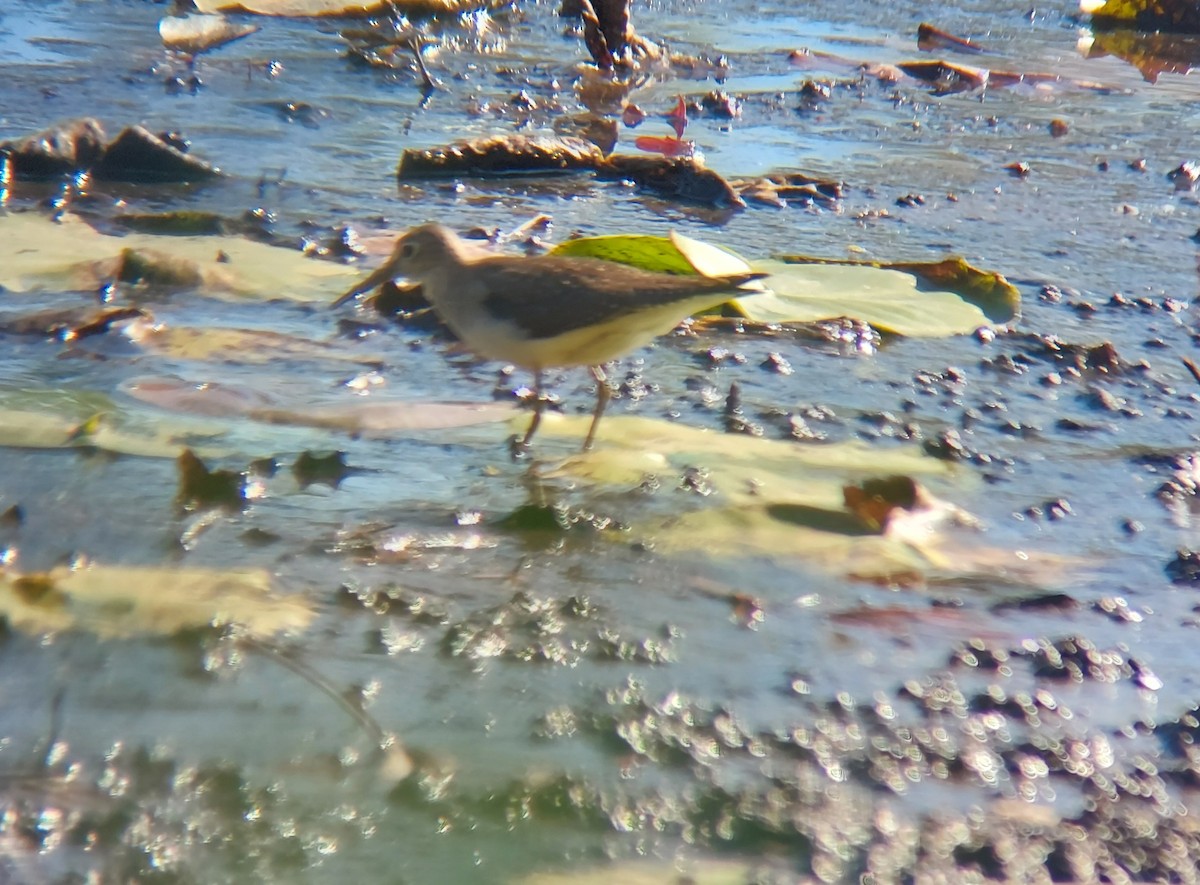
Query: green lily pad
[(934, 299), (659, 254)]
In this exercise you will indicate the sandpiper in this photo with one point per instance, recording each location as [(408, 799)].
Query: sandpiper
[(546, 311)]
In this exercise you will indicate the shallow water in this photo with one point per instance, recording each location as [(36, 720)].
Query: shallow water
[(572, 699)]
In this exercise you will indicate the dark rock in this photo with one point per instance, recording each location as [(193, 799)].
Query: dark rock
[(678, 178), (59, 150), (1184, 568), (139, 155), (501, 154)]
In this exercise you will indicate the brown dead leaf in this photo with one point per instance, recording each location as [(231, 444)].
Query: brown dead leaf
[(930, 38), (68, 324), (501, 154), (946, 77), (874, 501), (783, 189), (201, 488)]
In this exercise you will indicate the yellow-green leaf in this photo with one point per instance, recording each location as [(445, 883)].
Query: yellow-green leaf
[(766, 497), (1178, 16), (42, 254), (57, 419), (115, 601), (251, 346), (658, 254)]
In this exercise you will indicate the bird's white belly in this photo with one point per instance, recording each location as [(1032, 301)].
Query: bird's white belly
[(587, 346)]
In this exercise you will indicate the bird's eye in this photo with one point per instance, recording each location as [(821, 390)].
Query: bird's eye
[(408, 250)]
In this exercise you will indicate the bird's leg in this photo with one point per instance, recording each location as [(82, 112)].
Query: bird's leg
[(603, 395), (538, 403)]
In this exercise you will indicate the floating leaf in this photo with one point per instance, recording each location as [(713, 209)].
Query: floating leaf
[(366, 416), (197, 398), (859, 511), (930, 38), (658, 254), (945, 76), (767, 497), (249, 346), (357, 8), (710, 260), (197, 33), (69, 254), (34, 429), (935, 299), (329, 468), (201, 488), (782, 189), (67, 323), (56, 419), (117, 601), (1153, 54), (1177, 16), (385, 418)]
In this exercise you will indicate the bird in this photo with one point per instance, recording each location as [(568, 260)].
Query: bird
[(546, 311)]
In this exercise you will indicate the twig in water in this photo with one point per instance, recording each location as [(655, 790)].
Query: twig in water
[(364, 719), (1193, 368)]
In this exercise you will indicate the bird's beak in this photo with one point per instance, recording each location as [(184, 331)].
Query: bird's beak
[(381, 275)]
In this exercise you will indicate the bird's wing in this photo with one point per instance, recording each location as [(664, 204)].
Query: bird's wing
[(574, 293)]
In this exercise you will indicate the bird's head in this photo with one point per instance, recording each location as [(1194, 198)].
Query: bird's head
[(418, 253), (422, 250)]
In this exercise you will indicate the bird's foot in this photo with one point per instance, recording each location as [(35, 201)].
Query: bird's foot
[(519, 447)]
